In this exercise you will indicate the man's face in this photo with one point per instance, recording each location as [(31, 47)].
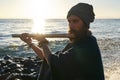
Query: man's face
[(77, 28)]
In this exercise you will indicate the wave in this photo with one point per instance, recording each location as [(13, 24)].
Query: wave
[(24, 50), (110, 52)]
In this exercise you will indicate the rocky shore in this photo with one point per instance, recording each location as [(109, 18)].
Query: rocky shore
[(16, 68)]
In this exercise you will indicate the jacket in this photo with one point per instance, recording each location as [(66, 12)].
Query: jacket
[(78, 61)]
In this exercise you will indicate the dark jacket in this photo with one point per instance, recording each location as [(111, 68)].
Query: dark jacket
[(78, 61)]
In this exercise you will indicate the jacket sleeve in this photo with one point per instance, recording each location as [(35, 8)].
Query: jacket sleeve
[(62, 63)]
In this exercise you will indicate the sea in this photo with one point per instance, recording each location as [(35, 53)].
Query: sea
[(107, 32)]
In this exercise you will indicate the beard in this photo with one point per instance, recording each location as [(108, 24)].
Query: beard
[(76, 35)]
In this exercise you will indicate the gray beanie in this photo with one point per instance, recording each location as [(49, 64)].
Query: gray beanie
[(84, 11)]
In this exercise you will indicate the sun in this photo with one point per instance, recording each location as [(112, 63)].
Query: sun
[(38, 10), (38, 26)]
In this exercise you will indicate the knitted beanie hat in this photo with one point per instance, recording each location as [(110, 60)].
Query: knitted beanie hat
[(84, 11)]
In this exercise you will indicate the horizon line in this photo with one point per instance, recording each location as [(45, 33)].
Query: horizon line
[(55, 18)]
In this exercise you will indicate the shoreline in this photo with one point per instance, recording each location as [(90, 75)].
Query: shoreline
[(110, 52)]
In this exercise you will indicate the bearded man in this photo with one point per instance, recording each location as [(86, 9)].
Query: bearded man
[(81, 58)]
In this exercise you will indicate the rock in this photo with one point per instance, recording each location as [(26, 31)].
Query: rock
[(7, 57), (13, 68)]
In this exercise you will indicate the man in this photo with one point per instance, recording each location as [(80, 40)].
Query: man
[(81, 58)]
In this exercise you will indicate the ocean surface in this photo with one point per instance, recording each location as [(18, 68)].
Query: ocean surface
[(107, 32)]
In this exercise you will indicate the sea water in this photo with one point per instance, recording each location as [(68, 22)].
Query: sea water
[(106, 31)]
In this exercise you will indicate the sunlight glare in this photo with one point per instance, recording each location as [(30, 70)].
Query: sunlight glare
[(38, 26), (38, 10)]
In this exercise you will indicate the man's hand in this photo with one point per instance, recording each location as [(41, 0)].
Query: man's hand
[(26, 38)]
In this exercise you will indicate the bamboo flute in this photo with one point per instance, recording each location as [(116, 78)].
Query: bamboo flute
[(45, 35)]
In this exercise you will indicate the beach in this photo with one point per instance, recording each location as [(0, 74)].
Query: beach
[(105, 30)]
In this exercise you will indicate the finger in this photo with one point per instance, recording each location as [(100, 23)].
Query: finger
[(23, 36)]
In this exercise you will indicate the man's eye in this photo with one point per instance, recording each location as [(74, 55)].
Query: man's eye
[(75, 21)]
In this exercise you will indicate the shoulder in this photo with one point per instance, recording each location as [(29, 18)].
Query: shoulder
[(89, 45), (86, 42), (91, 38), (91, 41)]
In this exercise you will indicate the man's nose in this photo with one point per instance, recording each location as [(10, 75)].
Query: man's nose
[(71, 26)]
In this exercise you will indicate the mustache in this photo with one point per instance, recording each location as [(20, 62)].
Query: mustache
[(76, 33), (72, 31)]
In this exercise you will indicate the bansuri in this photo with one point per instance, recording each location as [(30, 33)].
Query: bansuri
[(45, 35)]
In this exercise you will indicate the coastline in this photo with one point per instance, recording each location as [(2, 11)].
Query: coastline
[(110, 52)]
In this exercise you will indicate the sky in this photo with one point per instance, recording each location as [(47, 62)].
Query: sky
[(55, 8)]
